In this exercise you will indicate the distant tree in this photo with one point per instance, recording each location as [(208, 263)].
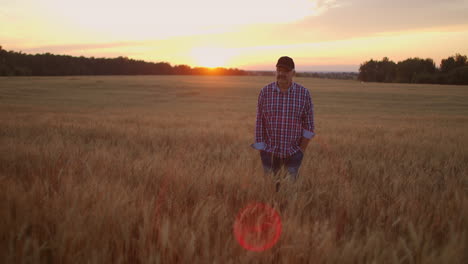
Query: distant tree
[(377, 71), (408, 70), (368, 71), (453, 62), (458, 76), (162, 68), (386, 70), (182, 70), (18, 63), (453, 70), (4, 68)]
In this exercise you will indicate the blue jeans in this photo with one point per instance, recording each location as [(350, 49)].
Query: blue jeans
[(272, 164)]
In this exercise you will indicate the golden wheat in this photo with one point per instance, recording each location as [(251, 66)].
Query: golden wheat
[(156, 169)]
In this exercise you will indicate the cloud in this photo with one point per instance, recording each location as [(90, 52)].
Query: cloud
[(157, 19), (67, 48), (367, 17)]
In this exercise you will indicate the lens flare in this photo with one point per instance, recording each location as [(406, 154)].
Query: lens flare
[(257, 227)]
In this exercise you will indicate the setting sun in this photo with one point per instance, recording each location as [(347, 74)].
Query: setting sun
[(212, 57)]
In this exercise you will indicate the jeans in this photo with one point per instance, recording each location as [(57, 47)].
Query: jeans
[(272, 164)]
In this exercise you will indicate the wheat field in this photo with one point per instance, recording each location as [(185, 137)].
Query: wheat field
[(155, 169)]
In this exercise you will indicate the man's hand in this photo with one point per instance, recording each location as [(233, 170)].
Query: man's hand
[(304, 143)]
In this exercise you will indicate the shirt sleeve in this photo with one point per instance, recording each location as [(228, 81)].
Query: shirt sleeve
[(308, 118), (260, 129)]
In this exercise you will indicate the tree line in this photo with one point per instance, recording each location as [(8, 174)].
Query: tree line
[(452, 70), (329, 75), (20, 64)]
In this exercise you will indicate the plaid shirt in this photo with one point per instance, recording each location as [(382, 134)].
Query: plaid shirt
[(283, 119)]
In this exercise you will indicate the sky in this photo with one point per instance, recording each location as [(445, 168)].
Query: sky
[(320, 35)]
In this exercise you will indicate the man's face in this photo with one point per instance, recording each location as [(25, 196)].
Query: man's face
[(284, 75)]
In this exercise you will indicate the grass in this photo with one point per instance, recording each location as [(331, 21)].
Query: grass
[(156, 169)]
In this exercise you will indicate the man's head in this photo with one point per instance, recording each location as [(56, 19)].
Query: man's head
[(285, 70)]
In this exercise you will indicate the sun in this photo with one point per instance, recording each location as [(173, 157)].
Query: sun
[(212, 57)]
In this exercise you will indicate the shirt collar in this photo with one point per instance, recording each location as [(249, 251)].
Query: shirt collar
[(293, 84)]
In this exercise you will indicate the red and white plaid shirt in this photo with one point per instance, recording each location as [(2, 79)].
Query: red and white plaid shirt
[(283, 119)]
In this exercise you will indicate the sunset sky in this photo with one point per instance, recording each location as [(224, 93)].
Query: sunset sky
[(321, 35)]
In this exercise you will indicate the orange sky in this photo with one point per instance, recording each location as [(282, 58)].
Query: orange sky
[(328, 35)]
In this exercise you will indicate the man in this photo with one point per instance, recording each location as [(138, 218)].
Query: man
[(285, 122)]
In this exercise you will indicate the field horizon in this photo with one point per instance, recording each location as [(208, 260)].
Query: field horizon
[(155, 169)]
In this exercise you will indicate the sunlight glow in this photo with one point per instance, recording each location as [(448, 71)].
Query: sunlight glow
[(232, 34), (212, 56)]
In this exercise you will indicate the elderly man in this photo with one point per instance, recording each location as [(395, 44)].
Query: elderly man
[(285, 122)]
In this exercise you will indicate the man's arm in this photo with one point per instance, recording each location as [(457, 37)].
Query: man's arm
[(304, 142), (308, 125), (260, 135)]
